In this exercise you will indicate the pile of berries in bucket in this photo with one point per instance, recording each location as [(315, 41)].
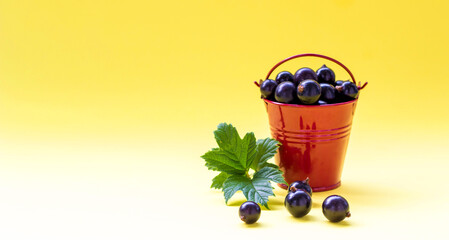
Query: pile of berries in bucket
[(308, 87)]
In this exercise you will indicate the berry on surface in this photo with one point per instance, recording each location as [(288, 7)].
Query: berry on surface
[(298, 202), (336, 208), (249, 212)]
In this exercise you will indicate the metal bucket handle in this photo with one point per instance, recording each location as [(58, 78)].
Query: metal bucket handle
[(314, 55)]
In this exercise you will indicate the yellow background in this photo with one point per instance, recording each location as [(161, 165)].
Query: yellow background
[(106, 107)]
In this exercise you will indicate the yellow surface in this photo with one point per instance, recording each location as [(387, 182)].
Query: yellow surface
[(106, 106)]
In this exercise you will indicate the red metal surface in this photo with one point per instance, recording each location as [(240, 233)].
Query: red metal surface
[(314, 140)]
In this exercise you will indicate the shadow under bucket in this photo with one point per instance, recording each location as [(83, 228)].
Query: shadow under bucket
[(314, 138)]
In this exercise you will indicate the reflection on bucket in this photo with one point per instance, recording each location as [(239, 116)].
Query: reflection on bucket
[(314, 141)]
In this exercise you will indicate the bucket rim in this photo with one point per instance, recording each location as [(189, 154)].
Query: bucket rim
[(308, 106)]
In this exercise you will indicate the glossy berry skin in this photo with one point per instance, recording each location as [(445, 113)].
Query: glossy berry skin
[(340, 82), (349, 90), (303, 185), (298, 202), (267, 89), (322, 102), (336, 208), (325, 75), (284, 76), (249, 212), (304, 74), (308, 91), (285, 92), (328, 92)]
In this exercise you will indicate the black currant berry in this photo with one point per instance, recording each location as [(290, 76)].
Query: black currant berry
[(267, 89), (325, 75), (303, 185), (308, 91), (304, 74), (285, 92), (284, 76), (328, 92), (298, 202), (348, 89), (340, 82), (249, 212), (336, 208)]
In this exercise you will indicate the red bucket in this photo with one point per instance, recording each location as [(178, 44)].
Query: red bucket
[(314, 138)]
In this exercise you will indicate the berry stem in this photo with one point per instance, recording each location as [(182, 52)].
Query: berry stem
[(306, 181), (293, 189), (348, 214)]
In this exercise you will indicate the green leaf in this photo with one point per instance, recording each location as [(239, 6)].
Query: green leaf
[(217, 181), (227, 137), (229, 141), (257, 189), (247, 150), (266, 149), (271, 174), (218, 160), (271, 165), (235, 156), (234, 184)]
